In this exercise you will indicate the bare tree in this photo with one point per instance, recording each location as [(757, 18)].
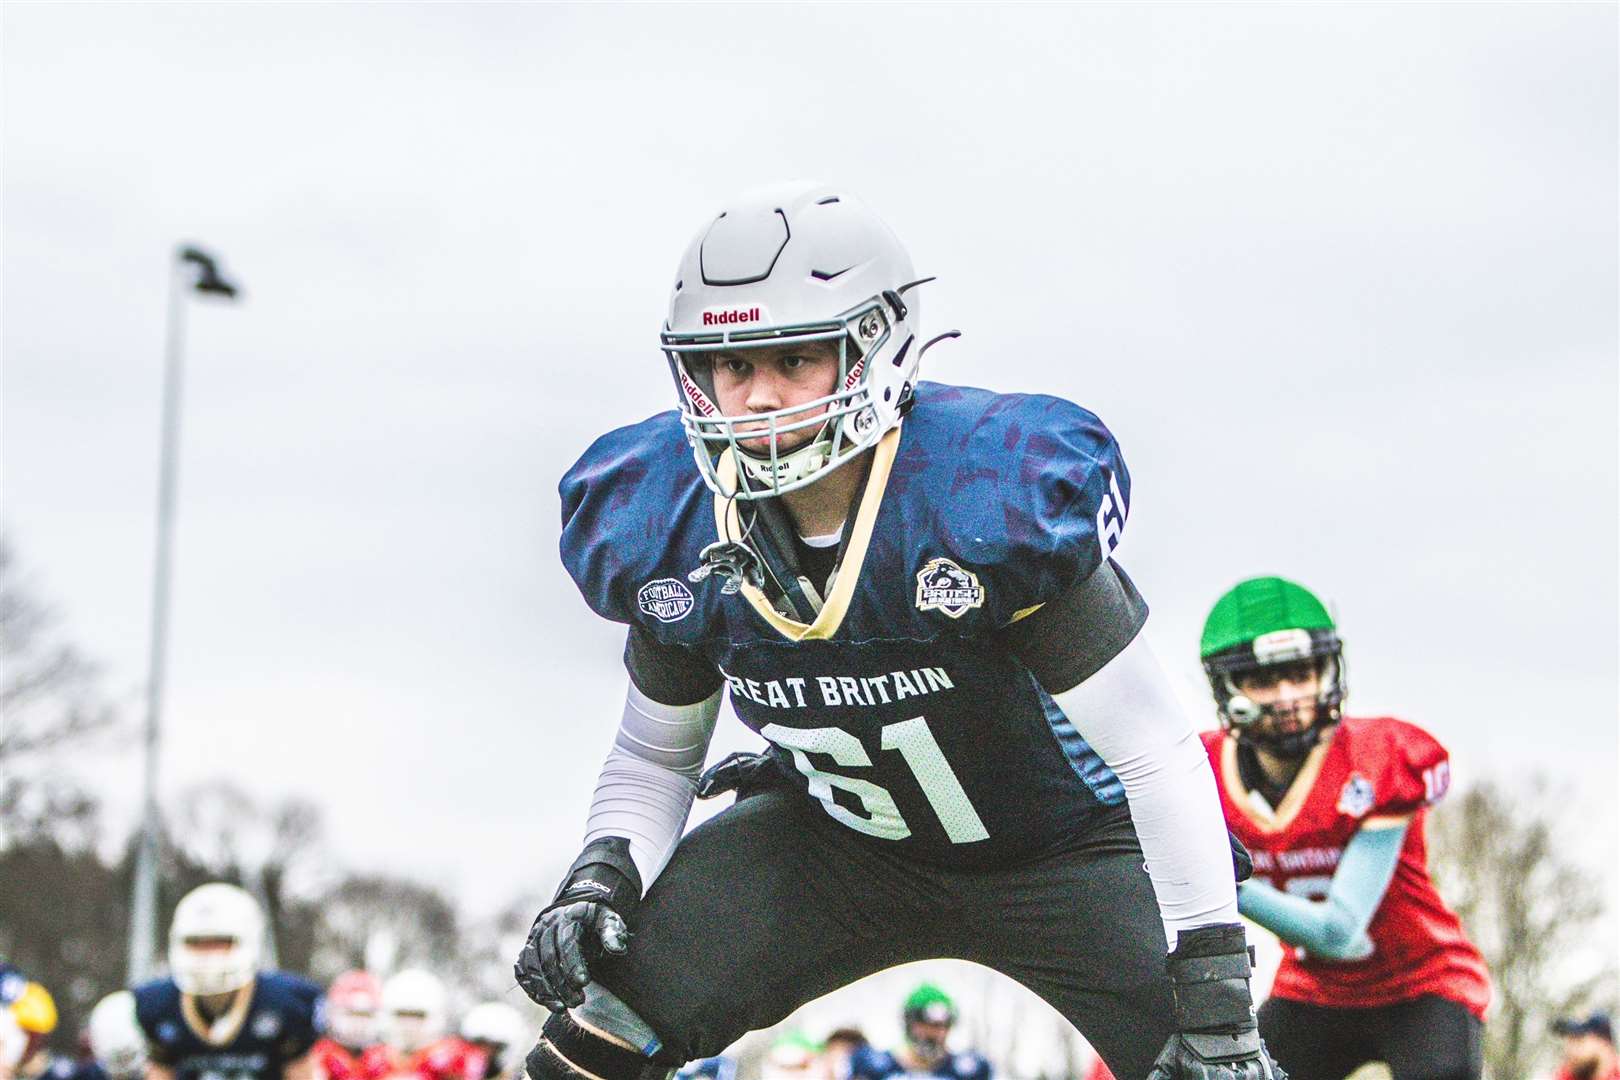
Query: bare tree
[(51, 702), (1498, 859), (389, 923)]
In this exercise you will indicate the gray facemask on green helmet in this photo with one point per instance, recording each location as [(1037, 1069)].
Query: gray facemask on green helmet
[(1259, 623)]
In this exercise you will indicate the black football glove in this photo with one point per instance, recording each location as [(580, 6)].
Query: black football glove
[(588, 917), (1216, 1034), (746, 774), (1242, 861)]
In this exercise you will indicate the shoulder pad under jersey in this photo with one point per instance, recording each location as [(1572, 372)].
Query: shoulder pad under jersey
[(1028, 487), (1408, 768), (635, 516), (301, 1005)]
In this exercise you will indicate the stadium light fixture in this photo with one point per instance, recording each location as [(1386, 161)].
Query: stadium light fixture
[(191, 270)]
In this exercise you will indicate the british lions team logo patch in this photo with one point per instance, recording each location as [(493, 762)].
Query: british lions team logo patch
[(666, 600), (943, 586), (1357, 797)]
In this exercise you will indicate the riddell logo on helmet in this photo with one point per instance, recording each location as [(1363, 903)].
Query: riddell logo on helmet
[(731, 315)]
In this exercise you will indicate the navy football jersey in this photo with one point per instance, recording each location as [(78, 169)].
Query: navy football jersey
[(283, 1018), (66, 1068), (869, 1064), (896, 707)]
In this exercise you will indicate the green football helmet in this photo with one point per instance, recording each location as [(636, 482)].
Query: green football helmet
[(928, 1004), (1261, 622)]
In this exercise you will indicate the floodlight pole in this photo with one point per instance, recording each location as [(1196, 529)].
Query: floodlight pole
[(188, 269)]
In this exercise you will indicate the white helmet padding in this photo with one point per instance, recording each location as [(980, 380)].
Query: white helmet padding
[(212, 912), (793, 263)]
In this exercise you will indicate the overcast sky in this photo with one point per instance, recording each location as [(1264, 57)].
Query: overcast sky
[(1342, 280)]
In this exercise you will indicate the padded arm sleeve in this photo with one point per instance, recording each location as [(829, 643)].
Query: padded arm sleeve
[(1336, 927), (647, 784), (1130, 715)]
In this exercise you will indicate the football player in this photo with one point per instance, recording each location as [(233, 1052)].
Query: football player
[(1332, 809), (1589, 1052), (793, 1056), (415, 1046), (116, 1039), (353, 1002), (840, 1047), (928, 1016), (497, 1031), (907, 588), (216, 1015), (714, 1068), (27, 1017)]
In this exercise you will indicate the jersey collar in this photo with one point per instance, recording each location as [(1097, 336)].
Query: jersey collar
[(229, 1024), (831, 616), (1278, 820)]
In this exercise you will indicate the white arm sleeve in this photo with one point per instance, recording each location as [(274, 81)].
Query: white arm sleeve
[(645, 791), (1130, 715)]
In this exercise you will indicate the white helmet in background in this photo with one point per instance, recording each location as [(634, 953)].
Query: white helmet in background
[(353, 1003), (413, 1009), (496, 1027), (791, 263), (116, 1038), (215, 940)]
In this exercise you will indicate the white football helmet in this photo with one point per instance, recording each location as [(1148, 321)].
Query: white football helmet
[(498, 1029), (493, 1022), (207, 916), (116, 1038), (413, 1009), (353, 1002), (794, 262)]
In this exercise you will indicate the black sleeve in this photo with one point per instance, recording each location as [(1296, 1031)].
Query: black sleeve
[(669, 674), (1068, 640)]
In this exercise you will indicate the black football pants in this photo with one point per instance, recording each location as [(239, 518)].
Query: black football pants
[(771, 904), (1427, 1038)]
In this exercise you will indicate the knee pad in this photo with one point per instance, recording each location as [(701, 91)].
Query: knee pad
[(568, 1051)]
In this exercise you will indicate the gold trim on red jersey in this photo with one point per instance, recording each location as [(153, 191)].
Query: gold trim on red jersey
[(1299, 790)]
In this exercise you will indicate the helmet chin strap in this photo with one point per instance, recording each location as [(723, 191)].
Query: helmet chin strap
[(790, 467)]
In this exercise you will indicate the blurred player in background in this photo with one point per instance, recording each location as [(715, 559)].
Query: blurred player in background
[(499, 1033), (1332, 809), (353, 1007), (713, 1068), (1589, 1052), (908, 588), (415, 1046), (117, 1043), (216, 1016), (840, 1046), (27, 1016), (795, 1056), (928, 1016)]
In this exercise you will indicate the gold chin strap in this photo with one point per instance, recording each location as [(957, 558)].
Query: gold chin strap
[(832, 611)]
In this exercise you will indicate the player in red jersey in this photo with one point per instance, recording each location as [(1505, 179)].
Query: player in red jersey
[(1332, 809), (353, 1003), (414, 1045)]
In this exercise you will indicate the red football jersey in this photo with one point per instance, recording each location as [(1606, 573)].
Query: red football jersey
[(449, 1058), (1363, 769), (336, 1062)]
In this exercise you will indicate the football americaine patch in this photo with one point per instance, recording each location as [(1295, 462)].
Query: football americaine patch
[(666, 600), (943, 586)]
